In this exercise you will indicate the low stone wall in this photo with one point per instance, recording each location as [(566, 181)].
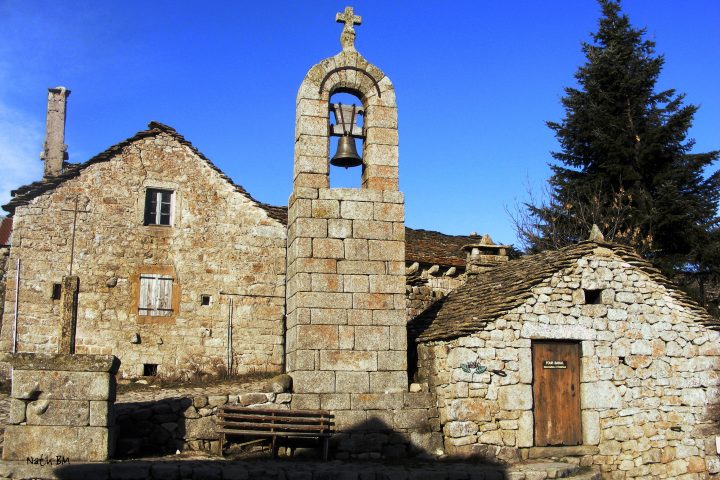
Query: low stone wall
[(394, 425), (181, 423), (379, 425)]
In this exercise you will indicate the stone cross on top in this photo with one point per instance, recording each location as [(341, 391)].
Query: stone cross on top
[(347, 37)]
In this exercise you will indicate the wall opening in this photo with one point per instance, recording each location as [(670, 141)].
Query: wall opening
[(56, 291), (593, 297), (204, 300), (342, 122), (150, 369)]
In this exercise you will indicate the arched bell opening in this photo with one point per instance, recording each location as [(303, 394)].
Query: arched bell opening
[(346, 139)]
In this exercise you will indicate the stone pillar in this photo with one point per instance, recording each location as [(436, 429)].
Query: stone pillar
[(61, 405), (68, 314), (346, 329), (54, 150), (346, 334)]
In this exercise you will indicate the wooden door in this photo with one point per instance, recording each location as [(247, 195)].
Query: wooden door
[(556, 393)]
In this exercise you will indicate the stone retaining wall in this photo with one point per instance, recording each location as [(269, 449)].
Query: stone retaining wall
[(181, 423), (392, 426)]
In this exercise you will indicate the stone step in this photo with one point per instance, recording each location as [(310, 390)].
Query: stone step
[(558, 452), (594, 475), (542, 469)]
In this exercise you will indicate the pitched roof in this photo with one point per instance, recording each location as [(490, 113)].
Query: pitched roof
[(427, 246), (26, 193), (490, 295)]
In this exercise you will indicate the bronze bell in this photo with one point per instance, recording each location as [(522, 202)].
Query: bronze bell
[(346, 155)]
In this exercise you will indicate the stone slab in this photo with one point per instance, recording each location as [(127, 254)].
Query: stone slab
[(62, 385), (62, 362), (58, 412), (559, 452), (79, 444)]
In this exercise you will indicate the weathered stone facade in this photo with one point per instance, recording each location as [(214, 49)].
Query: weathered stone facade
[(648, 373), (220, 243)]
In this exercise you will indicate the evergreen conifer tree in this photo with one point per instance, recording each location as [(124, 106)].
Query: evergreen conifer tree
[(625, 161)]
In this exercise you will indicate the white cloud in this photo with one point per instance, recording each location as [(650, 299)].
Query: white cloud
[(20, 145)]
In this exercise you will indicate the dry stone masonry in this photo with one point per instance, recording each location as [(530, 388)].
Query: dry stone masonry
[(184, 422), (648, 372)]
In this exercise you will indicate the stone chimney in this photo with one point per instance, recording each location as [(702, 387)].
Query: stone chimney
[(484, 255), (54, 150)]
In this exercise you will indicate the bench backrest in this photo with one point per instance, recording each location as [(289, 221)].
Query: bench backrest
[(266, 420)]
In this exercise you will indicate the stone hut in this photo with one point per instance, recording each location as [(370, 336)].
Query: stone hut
[(588, 352)]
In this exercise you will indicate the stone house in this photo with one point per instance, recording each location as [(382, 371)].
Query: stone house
[(166, 249), (584, 352)]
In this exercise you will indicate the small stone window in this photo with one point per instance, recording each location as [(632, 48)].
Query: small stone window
[(593, 296), (159, 207), (56, 291), (205, 300), (150, 369)]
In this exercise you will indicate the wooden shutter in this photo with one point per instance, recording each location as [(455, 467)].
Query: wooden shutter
[(145, 303), (164, 296), (155, 295)]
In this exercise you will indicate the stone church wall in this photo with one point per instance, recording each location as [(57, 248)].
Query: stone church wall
[(648, 376), (221, 244)]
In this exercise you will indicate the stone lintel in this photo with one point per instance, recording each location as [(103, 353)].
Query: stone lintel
[(62, 362)]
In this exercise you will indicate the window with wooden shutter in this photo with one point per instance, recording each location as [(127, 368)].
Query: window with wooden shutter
[(158, 207), (155, 295)]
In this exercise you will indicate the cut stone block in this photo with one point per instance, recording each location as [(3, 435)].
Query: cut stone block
[(79, 444), (62, 385), (313, 381), (350, 360), (352, 382), (59, 412), (372, 338)]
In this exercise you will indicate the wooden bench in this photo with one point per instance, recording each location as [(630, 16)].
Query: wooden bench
[(277, 425)]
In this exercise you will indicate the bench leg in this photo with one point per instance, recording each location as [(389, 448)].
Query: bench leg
[(222, 444), (326, 440), (274, 447)]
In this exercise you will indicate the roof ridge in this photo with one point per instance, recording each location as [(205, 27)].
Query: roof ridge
[(509, 285), (26, 193)]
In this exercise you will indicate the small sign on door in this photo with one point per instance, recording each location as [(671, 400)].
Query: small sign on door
[(554, 364)]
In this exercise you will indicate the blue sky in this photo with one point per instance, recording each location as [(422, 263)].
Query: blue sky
[(475, 83)]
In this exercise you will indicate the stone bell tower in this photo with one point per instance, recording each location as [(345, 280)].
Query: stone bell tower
[(346, 334)]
